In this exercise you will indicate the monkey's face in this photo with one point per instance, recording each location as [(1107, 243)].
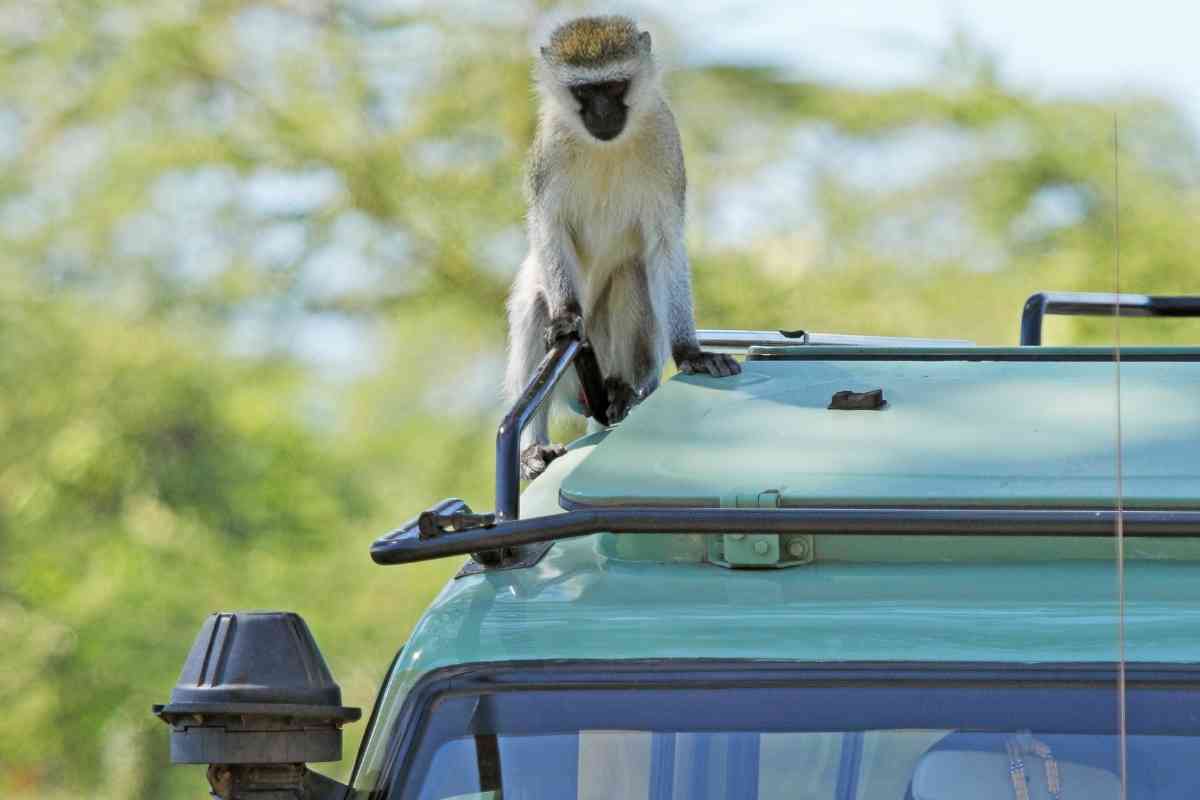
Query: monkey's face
[(602, 107), (602, 104)]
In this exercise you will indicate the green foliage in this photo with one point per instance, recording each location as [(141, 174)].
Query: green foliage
[(169, 447)]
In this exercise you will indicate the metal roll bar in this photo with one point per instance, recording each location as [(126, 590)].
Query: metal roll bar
[(568, 350), (430, 535), (1097, 304), (748, 339), (496, 539)]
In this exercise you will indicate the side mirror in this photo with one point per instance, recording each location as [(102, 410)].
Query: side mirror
[(256, 702)]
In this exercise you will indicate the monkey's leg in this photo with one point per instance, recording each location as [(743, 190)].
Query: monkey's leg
[(621, 398), (536, 457), (625, 335), (529, 321), (695, 360), (671, 282), (673, 294), (565, 324)]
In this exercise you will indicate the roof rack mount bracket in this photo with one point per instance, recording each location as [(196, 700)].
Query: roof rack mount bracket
[(758, 550)]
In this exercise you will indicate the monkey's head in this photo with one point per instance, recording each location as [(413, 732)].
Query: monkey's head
[(598, 74)]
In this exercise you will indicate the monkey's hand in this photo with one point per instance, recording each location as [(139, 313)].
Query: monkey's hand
[(536, 457), (563, 325), (621, 398), (719, 365)]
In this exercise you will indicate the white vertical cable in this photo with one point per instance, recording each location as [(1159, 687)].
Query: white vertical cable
[(1120, 485)]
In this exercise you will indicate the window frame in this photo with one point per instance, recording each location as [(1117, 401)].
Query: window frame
[(407, 735)]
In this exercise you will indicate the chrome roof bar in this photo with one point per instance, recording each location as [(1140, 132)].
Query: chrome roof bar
[(747, 339), (434, 533)]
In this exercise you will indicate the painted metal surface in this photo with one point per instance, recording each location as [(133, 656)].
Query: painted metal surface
[(588, 600), (954, 433), (1035, 433)]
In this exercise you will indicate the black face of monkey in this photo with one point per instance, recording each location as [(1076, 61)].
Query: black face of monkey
[(602, 107)]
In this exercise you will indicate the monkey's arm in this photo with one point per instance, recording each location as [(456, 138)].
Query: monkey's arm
[(560, 278), (681, 324), (544, 306)]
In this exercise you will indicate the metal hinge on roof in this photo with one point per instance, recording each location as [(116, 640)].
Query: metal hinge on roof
[(758, 550)]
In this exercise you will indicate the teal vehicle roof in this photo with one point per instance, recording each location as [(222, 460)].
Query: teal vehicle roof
[(959, 432), (1002, 601), (954, 432)]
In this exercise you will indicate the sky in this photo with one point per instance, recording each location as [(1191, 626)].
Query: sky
[(1092, 48)]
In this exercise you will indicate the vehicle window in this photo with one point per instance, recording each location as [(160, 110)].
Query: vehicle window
[(844, 742), (871, 765)]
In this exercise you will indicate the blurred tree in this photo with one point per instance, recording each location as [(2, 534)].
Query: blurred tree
[(252, 258)]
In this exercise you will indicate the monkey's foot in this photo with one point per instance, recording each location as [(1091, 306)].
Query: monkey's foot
[(563, 325), (536, 457), (621, 398), (719, 365)]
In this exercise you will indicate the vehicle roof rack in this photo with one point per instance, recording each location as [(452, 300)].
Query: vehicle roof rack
[(500, 539), (434, 533), (748, 339), (1098, 304)]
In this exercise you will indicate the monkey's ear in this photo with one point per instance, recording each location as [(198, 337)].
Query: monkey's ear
[(644, 40)]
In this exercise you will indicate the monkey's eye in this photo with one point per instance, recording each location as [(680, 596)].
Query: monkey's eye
[(614, 89)]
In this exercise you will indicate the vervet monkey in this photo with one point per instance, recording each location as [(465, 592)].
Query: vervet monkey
[(606, 188)]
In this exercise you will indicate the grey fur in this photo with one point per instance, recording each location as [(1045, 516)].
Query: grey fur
[(605, 227)]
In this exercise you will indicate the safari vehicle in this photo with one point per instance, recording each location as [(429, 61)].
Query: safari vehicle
[(784, 585)]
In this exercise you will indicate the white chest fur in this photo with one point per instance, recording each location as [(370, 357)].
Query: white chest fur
[(612, 202)]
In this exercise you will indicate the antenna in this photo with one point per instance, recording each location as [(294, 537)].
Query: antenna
[(1119, 518)]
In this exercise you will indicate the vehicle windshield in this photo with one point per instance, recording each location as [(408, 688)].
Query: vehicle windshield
[(1026, 735), (830, 765)]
